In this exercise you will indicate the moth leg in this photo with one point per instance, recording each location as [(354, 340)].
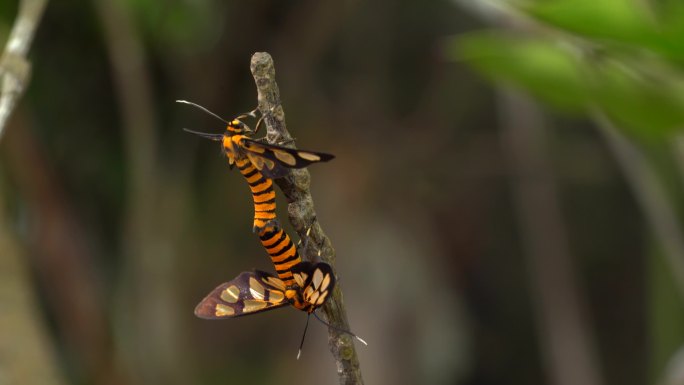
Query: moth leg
[(304, 243), (286, 141), (264, 140), (262, 118)]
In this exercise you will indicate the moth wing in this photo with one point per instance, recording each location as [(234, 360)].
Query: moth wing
[(317, 281), (283, 156), (266, 166), (249, 293)]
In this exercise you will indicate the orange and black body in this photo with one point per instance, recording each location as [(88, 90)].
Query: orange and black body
[(282, 250), (263, 195), (260, 163)]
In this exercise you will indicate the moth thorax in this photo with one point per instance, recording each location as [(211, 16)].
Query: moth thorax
[(292, 295), (228, 145)]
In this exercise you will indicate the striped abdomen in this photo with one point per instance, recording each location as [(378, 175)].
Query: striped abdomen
[(282, 251), (262, 193)]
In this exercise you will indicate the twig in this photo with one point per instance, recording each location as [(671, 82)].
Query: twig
[(302, 216), (15, 69)]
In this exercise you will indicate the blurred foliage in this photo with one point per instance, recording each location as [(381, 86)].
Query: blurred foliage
[(417, 202), (623, 59), (612, 56), (183, 23)]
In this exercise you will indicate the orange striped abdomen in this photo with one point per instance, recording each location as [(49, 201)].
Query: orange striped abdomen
[(262, 193), (282, 251)]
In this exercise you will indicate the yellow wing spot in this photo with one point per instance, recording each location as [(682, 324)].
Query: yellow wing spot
[(300, 278), (325, 283), (230, 294), (256, 289), (308, 292), (254, 148), (269, 163), (285, 157), (252, 305), (275, 282), (308, 156), (322, 298), (317, 278), (257, 161), (275, 296), (314, 297), (223, 310)]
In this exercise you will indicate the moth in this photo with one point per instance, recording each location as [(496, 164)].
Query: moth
[(257, 291), (273, 161)]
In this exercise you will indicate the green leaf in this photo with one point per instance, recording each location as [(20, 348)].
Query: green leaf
[(646, 105), (628, 22), (545, 69), (620, 19), (644, 96)]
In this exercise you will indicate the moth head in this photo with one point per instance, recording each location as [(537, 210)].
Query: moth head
[(237, 127)]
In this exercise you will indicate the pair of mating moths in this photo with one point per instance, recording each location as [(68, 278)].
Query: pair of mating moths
[(304, 285)]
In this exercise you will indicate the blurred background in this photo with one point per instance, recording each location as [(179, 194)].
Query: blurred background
[(505, 201)]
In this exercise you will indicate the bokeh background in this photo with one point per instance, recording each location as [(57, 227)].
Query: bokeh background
[(505, 202)]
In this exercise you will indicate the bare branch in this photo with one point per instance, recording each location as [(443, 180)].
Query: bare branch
[(15, 69), (302, 216)]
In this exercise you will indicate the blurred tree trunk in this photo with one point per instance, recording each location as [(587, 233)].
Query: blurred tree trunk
[(147, 300), (63, 261), (567, 345), (26, 350)]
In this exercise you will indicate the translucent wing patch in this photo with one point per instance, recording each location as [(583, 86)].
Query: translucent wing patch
[(274, 161), (250, 292)]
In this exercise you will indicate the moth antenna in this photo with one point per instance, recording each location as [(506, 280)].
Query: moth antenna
[(214, 137), (340, 330), (301, 344), (203, 109)]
